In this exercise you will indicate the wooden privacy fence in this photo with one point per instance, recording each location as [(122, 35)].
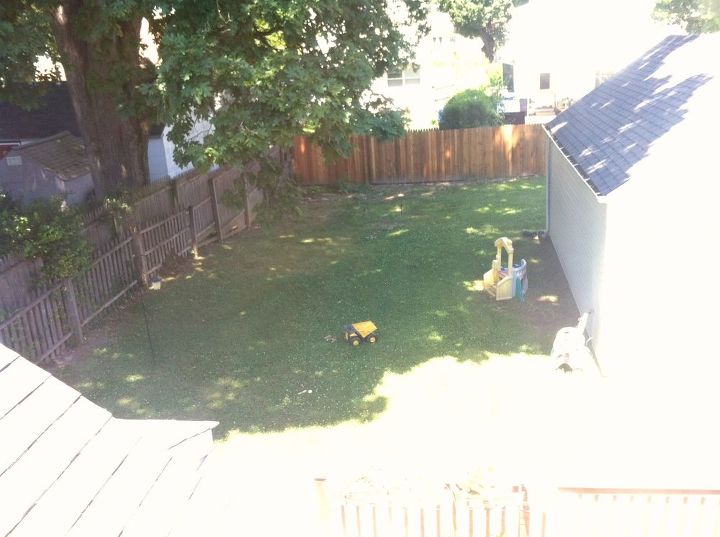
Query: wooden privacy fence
[(52, 317), (429, 156), (567, 512)]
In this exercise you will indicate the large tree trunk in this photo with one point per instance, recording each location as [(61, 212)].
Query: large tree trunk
[(103, 70)]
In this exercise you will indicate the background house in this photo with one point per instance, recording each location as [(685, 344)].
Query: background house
[(446, 63), (552, 59), (54, 166), (55, 114), (632, 208)]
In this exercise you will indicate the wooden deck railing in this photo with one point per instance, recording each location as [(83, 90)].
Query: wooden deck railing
[(564, 512)]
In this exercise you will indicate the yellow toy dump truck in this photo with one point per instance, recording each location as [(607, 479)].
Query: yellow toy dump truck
[(360, 332)]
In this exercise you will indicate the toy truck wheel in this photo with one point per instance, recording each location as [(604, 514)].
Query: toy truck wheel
[(372, 338), (354, 341)]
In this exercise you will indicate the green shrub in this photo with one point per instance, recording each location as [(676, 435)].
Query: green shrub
[(471, 108), (47, 230)]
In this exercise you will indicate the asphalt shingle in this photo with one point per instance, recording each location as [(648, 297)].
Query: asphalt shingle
[(610, 129)]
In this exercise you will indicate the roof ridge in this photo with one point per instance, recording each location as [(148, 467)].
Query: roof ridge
[(34, 143)]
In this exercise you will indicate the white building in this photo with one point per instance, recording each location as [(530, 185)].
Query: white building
[(562, 49), (632, 200), (447, 63)]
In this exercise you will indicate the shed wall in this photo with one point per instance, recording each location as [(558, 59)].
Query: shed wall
[(30, 181), (660, 308), (576, 225)]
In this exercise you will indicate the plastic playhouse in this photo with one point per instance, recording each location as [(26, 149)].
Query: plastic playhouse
[(507, 282)]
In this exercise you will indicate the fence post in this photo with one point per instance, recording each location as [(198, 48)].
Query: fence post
[(139, 257), (323, 506), (174, 195), (73, 311), (246, 201), (216, 209), (193, 230)]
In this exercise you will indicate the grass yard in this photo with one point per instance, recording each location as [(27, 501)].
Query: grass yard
[(245, 335)]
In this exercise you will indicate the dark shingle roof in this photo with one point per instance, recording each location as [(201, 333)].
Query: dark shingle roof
[(54, 115), (612, 128)]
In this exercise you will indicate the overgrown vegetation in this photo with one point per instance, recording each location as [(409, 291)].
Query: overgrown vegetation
[(474, 107), (47, 230)]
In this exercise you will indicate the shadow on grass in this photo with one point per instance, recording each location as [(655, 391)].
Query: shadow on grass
[(251, 334)]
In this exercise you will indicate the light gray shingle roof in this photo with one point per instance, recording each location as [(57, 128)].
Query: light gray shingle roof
[(612, 128), (68, 467), (63, 154)]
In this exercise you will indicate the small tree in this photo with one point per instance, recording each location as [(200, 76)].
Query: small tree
[(472, 108), (486, 19), (696, 16), (47, 230)]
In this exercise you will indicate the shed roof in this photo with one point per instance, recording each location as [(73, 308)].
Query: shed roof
[(63, 153), (67, 467), (613, 128)]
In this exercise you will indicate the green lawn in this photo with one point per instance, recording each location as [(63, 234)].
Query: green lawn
[(240, 334)]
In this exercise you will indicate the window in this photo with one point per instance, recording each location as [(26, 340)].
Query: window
[(508, 76), (406, 77), (544, 81)]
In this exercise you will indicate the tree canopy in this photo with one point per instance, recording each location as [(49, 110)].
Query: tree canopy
[(695, 16), (486, 19), (233, 79)]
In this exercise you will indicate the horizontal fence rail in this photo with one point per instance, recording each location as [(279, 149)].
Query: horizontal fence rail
[(170, 220), (623, 511), (429, 156)]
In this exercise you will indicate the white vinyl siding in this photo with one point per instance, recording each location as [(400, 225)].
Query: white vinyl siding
[(157, 164), (576, 225)]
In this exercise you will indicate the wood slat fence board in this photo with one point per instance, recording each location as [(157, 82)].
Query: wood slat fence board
[(18, 283), (429, 156), (40, 329), (39, 322), (170, 236), (109, 277)]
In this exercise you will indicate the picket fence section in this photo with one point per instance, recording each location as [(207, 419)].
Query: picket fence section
[(562, 512), (429, 156), (456, 518), (18, 283), (170, 236), (44, 321), (39, 329), (109, 277)]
